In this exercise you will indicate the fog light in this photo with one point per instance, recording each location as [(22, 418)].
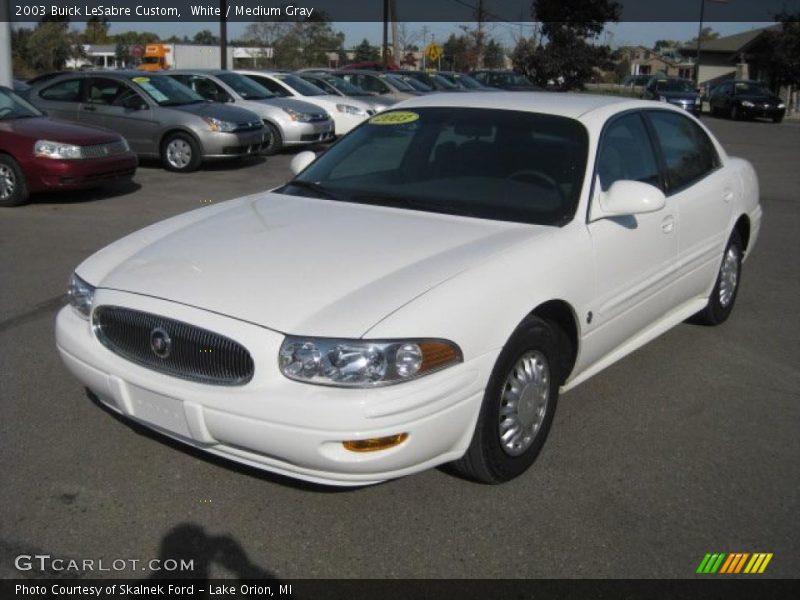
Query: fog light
[(375, 444)]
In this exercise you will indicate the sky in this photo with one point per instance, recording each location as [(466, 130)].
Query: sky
[(619, 34)]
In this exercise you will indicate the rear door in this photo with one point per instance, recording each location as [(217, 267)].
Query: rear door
[(702, 191), (61, 99), (116, 105)]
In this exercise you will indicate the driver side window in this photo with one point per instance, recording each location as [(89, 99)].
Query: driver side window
[(626, 153)]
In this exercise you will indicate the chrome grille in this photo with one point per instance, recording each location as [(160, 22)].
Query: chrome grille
[(103, 150), (192, 353)]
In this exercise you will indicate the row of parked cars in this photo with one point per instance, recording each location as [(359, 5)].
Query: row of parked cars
[(182, 117), (736, 99)]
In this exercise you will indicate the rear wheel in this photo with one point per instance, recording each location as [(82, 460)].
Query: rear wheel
[(180, 152), (723, 297), (275, 140), (13, 190), (518, 405)]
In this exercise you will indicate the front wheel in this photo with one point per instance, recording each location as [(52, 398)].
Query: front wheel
[(13, 190), (723, 297), (777, 119), (180, 152), (518, 405), (275, 140)]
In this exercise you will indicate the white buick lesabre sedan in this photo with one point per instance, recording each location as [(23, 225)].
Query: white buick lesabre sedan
[(420, 293)]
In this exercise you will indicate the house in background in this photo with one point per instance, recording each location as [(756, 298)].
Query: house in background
[(646, 61)]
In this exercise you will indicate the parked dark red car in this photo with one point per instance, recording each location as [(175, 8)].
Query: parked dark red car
[(40, 154)]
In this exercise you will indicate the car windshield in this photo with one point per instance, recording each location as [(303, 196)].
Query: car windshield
[(302, 87), (493, 164), (165, 91), (14, 107), (415, 84), (246, 88), (400, 83), (347, 88), (467, 82), (674, 85), (744, 88)]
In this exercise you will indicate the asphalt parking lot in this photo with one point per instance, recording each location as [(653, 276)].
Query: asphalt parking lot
[(688, 446)]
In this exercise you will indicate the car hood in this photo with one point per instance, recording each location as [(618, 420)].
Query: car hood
[(759, 98), (293, 103), (223, 112), (43, 128), (329, 101), (300, 265), (678, 95)]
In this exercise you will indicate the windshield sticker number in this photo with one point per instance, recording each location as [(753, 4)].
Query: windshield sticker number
[(394, 118)]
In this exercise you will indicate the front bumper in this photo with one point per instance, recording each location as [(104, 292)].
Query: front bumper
[(688, 105), (765, 112), (273, 423), (296, 133), (44, 174), (229, 145)]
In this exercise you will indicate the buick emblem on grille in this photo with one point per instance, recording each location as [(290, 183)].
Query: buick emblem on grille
[(160, 342)]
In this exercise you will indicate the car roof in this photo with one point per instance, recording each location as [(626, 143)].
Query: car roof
[(554, 103)]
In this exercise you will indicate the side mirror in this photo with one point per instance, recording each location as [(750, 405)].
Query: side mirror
[(134, 103), (301, 161), (630, 198)]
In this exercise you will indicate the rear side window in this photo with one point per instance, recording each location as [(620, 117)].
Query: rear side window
[(63, 91), (689, 154), (626, 153)]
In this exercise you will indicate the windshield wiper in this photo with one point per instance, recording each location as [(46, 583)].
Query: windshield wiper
[(318, 189)]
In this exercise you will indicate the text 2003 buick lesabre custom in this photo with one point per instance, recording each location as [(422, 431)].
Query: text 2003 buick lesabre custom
[(420, 293)]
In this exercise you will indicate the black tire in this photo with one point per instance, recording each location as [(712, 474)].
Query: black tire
[(720, 304), (487, 459), (13, 188), (276, 140), (777, 119), (187, 153)]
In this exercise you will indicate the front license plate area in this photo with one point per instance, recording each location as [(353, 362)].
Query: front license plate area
[(157, 410)]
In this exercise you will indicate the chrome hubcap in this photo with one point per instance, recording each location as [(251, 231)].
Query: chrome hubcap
[(523, 404), (728, 276), (6, 182), (179, 154)]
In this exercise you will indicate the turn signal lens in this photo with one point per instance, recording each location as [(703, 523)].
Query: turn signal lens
[(375, 444)]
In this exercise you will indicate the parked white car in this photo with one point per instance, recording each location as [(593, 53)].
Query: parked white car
[(420, 293), (346, 112)]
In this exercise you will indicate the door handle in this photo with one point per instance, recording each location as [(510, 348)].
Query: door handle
[(727, 195), (668, 224)]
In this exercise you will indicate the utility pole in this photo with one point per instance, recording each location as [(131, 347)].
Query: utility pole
[(480, 16), (424, 45), (5, 45), (396, 50), (385, 34), (223, 34)]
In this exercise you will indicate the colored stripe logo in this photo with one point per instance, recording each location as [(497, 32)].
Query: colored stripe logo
[(734, 563)]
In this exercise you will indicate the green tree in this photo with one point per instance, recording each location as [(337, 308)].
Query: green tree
[(494, 56), (457, 53), (779, 55), (205, 37), (365, 52), (566, 56), (706, 34), (135, 37), (20, 55), (52, 44), (307, 43), (96, 31)]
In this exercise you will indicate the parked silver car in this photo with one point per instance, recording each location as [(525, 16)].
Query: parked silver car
[(387, 84), (291, 122), (159, 116), (339, 87)]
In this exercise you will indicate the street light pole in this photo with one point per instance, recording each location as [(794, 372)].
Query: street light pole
[(223, 34), (5, 45), (699, 36)]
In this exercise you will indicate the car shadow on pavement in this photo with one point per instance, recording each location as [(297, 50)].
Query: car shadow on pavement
[(109, 190), (222, 462), (210, 166)]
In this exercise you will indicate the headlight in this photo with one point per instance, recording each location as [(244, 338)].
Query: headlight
[(125, 144), (363, 363), (81, 296), (48, 149), (781, 105), (219, 125), (662, 98), (747, 104), (351, 110), (296, 115)]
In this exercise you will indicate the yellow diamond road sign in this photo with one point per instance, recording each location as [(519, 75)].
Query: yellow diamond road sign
[(434, 51)]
